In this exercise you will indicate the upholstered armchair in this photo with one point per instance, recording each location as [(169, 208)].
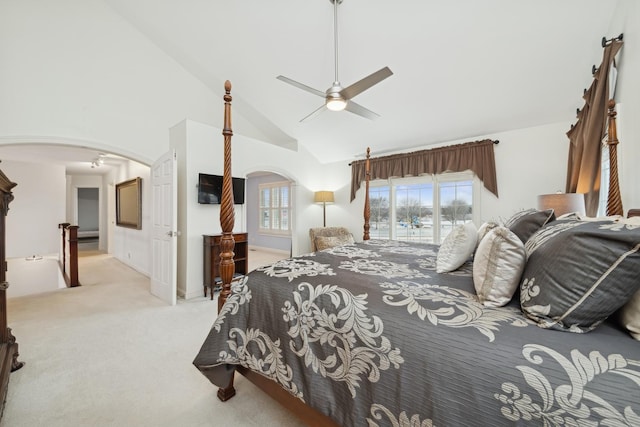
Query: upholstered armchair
[(327, 237)]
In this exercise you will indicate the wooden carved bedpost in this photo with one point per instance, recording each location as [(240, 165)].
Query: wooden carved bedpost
[(227, 242), (227, 214), (367, 208), (614, 201)]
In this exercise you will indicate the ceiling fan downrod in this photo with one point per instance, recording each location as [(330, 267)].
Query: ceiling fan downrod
[(335, 37), (335, 101)]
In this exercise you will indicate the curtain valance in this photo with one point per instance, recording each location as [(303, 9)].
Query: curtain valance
[(475, 156)]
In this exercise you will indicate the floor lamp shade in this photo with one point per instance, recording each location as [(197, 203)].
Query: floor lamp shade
[(323, 197), (562, 203)]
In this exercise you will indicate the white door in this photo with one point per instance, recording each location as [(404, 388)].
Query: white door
[(164, 221)]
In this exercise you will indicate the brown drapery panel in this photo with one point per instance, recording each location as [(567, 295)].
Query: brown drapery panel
[(475, 156), (583, 170)]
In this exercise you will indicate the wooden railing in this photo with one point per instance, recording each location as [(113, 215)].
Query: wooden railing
[(69, 254)]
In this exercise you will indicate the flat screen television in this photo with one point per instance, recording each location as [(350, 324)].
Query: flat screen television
[(210, 189)]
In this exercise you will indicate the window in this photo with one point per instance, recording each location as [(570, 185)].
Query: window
[(605, 168), (275, 208), (379, 205), (423, 209)]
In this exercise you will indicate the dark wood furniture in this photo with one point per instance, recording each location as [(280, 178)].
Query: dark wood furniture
[(69, 262), (8, 346), (212, 250)]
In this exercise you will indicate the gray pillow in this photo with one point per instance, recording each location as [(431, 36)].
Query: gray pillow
[(579, 273), (527, 222)]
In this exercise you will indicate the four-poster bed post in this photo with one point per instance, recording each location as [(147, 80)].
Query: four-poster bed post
[(227, 243), (367, 208), (309, 415), (614, 200)]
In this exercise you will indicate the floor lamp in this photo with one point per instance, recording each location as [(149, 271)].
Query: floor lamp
[(323, 197)]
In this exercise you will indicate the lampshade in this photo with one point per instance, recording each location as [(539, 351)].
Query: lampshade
[(323, 197), (562, 203)]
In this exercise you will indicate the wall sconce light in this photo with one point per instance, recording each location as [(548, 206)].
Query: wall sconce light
[(323, 197), (562, 203)]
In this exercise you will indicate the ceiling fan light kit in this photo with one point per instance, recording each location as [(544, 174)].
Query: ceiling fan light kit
[(336, 97), (335, 101)]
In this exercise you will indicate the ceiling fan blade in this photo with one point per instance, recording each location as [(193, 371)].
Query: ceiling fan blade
[(301, 86), (365, 83), (314, 113), (360, 110)]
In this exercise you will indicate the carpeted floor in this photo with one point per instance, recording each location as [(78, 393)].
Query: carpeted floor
[(111, 354)]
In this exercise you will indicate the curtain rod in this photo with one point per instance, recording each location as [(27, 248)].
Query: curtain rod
[(605, 41), (495, 141)]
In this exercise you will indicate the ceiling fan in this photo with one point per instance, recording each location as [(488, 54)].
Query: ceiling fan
[(336, 97)]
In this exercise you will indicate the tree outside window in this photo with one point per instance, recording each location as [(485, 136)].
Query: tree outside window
[(422, 209)]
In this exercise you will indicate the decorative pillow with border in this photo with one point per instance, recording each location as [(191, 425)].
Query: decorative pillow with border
[(326, 242), (630, 316), (578, 273), (497, 266), (456, 248), (630, 313), (484, 229), (527, 222)]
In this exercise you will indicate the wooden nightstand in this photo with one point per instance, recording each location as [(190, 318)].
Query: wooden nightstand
[(211, 260)]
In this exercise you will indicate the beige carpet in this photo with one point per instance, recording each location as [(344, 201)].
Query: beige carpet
[(111, 354)]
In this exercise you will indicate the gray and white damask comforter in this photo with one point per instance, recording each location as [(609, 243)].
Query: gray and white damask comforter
[(371, 335)]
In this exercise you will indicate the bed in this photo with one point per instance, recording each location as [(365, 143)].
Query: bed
[(387, 333)]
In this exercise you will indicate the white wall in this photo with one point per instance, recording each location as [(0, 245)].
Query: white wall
[(75, 72), (38, 207), (200, 148), (83, 75), (131, 246), (27, 276)]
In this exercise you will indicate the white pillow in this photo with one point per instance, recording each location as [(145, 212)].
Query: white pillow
[(484, 229), (456, 248), (630, 316), (497, 266)]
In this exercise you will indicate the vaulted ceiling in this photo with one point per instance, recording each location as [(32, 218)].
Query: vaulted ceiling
[(462, 68)]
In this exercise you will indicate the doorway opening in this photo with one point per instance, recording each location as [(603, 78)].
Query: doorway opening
[(88, 218)]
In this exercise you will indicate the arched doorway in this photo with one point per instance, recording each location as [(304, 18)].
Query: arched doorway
[(269, 211)]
